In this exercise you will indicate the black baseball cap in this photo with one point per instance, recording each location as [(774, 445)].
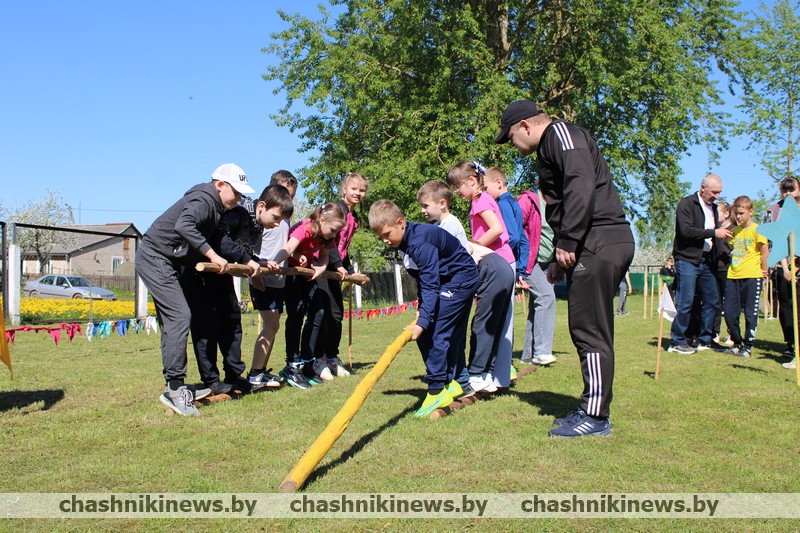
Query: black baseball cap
[(516, 111)]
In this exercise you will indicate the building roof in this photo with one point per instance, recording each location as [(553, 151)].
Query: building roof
[(74, 242)]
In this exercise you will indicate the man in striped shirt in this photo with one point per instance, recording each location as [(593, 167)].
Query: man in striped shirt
[(593, 247)]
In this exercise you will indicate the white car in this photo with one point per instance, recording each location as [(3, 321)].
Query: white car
[(54, 286)]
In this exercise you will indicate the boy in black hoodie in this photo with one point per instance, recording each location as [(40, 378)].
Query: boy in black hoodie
[(175, 241)]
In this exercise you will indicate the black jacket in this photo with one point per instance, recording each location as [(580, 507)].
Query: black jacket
[(690, 231), (181, 233), (577, 186)]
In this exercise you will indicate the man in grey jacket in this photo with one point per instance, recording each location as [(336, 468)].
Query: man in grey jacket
[(175, 241)]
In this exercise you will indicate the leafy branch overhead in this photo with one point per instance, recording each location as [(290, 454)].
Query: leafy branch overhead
[(400, 90)]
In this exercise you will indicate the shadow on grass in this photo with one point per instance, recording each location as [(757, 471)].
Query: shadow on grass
[(23, 398), (366, 439), (359, 366), (771, 350), (549, 403), (750, 368)]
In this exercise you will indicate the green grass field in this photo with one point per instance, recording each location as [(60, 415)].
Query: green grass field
[(85, 417)]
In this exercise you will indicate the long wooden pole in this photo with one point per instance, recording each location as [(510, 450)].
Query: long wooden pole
[(299, 474), (244, 271), (350, 330), (660, 335)]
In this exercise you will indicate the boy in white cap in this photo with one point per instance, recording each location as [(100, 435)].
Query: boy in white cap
[(177, 240)]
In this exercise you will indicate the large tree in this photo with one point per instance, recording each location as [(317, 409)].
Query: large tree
[(400, 90), (771, 99)]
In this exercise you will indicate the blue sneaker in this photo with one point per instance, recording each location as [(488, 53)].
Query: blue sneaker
[(293, 375), (585, 426), (571, 417)]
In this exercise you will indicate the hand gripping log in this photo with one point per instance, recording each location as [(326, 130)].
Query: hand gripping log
[(243, 271), (298, 475)]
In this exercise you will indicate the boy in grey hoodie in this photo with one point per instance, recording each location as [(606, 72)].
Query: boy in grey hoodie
[(175, 241)]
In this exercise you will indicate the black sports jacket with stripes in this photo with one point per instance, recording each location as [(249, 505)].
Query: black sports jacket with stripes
[(577, 186)]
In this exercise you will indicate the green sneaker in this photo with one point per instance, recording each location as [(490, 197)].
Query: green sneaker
[(454, 389), (433, 402), (513, 373)]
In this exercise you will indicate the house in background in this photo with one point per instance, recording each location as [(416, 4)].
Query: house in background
[(83, 250)]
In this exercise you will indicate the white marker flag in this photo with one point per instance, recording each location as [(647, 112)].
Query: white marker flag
[(666, 305)]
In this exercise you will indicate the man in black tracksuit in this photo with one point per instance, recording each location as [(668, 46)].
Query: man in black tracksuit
[(594, 247)]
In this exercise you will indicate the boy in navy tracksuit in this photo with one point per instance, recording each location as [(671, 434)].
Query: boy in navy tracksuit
[(447, 280)]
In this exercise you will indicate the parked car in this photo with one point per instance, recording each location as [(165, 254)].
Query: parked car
[(54, 286)]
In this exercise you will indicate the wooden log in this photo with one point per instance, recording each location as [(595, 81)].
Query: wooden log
[(244, 271)]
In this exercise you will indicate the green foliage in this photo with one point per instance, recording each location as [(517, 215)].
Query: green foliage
[(770, 100), (401, 90), (367, 251)]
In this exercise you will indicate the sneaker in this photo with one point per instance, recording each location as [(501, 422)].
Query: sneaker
[(433, 402), (727, 342), (337, 367), (713, 346), (513, 373), (199, 394), (293, 375), (733, 350), (181, 401), (264, 379), (791, 365), (681, 348), (743, 352), (584, 426), (240, 384), (571, 417), (311, 376), (468, 391), (454, 389), (544, 359), (491, 386), (220, 387), (788, 351), (459, 391), (526, 360), (321, 369)]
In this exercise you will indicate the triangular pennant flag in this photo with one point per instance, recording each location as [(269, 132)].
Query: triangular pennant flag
[(666, 305), (5, 354)]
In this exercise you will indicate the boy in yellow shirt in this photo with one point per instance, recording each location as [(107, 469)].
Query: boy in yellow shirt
[(745, 276)]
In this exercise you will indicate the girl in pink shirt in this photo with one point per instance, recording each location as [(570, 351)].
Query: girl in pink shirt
[(354, 189), (488, 229), (309, 243)]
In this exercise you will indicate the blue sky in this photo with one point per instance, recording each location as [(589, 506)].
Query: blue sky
[(122, 106)]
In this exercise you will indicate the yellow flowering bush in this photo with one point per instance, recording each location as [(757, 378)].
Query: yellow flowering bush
[(37, 310)]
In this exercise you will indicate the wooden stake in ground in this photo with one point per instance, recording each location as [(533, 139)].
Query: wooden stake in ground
[(350, 330), (299, 474), (653, 295), (660, 335)]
